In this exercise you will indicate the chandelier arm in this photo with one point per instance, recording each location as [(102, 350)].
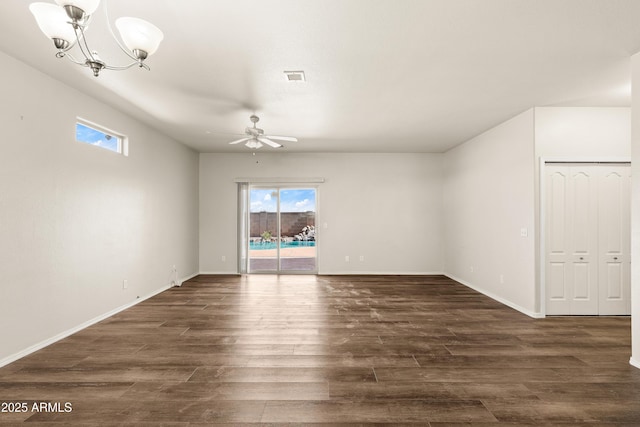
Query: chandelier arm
[(74, 60), (82, 40), (126, 67), (122, 48)]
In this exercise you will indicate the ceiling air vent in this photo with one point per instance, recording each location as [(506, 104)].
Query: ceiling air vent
[(294, 76)]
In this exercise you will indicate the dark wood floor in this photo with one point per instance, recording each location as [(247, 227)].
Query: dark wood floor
[(307, 349)]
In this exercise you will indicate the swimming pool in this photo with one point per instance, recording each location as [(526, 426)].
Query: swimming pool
[(272, 245)]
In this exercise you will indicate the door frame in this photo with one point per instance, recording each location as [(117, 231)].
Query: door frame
[(542, 205), (278, 187)]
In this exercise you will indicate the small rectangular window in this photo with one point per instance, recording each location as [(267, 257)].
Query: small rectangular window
[(100, 137)]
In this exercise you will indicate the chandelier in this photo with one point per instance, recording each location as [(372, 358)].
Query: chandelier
[(66, 25)]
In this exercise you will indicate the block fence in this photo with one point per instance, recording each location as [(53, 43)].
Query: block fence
[(292, 223)]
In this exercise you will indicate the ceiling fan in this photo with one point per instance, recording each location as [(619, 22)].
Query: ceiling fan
[(256, 138)]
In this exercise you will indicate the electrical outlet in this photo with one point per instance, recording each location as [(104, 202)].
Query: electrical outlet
[(501, 278), (125, 284), (224, 258), (471, 269), (361, 257), (346, 258)]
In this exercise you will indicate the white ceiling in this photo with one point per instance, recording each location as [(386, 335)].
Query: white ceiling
[(382, 75)]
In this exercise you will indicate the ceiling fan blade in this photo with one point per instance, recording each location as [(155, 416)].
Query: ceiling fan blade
[(238, 141), (282, 138), (269, 142)]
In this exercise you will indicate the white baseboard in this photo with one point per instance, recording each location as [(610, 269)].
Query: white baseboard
[(379, 273), (218, 273), (498, 298), (184, 279), (39, 346), (634, 362)]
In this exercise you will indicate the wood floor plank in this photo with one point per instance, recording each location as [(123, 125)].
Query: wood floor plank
[(372, 412), (63, 391), (207, 391), (330, 350), (466, 374), (331, 361), (538, 411), (500, 361), (101, 374), (275, 375)]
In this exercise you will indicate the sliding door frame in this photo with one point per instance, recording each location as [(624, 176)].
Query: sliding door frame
[(245, 185)]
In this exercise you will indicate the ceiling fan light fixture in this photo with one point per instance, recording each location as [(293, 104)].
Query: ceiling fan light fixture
[(252, 143), (255, 137)]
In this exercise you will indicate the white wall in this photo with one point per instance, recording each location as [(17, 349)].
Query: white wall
[(76, 220), (488, 199), (635, 211), (386, 207), (583, 133)]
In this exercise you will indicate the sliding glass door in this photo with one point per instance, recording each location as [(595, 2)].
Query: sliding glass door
[(263, 230), (298, 230), (282, 230)]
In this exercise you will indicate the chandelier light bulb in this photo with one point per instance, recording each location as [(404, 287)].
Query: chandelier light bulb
[(139, 35), (53, 21)]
